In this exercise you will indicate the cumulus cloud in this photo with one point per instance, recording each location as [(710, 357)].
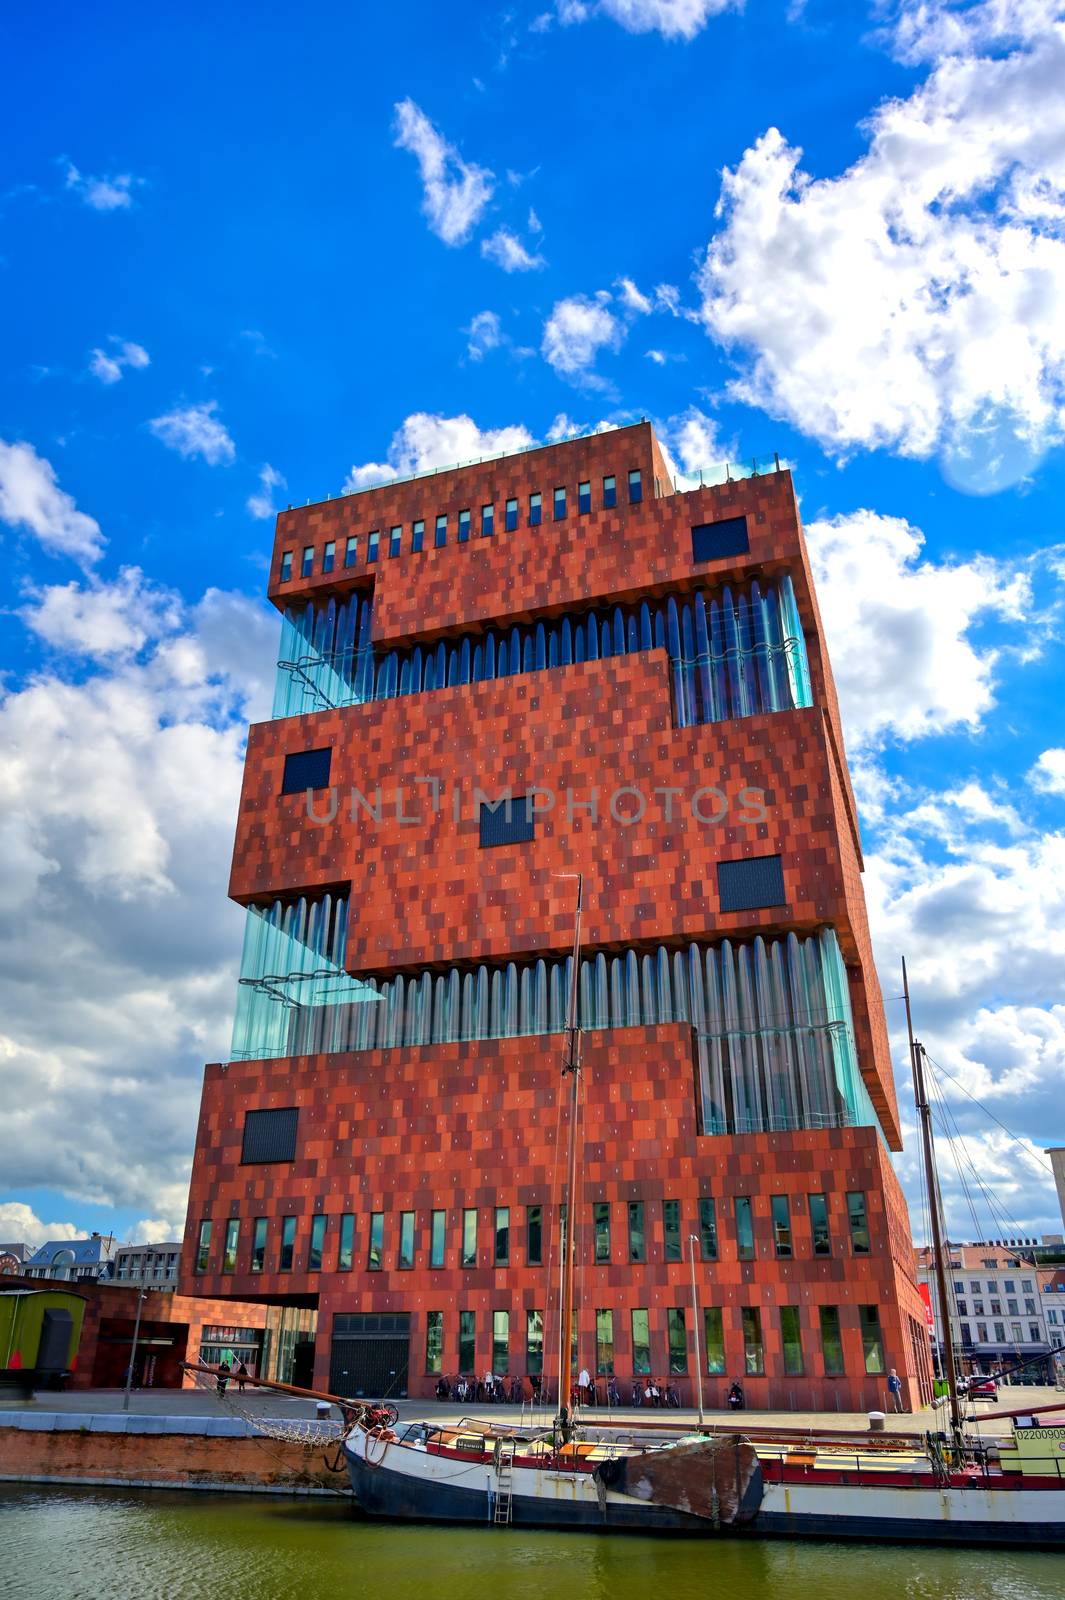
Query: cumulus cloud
[(578, 328), (632, 298), (111, 193), (1048, 774), (107, 365), (195, 431), (456, 191), (484, 334), (19, 1224), (508, 252), (261, 503), (30, 498), (673, 19), (692, 439), (914, 301), (425, 441), (103, 620), (564, 427), (926, 30), (900, 627), (117, 800)]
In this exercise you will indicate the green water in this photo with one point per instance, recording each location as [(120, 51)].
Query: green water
[(80, 1544)]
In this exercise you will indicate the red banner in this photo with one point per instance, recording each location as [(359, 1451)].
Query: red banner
[(927, 1298)]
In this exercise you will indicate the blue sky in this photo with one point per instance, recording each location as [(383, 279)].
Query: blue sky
[(250, 261)]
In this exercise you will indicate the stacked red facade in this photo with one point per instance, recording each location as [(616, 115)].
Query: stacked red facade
[(473, 1126)]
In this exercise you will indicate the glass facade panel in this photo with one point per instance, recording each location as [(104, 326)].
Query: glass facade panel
[(791, 1339), (436, 1239), (872, 1343), (440, 537), (511, 516), (288, 1244), (351, 551), (831, 1341), (610, 492), (488, 521), (307, 564), (635, 487), (714, 1336), (286, 565), (346, 1245), (671, 1229), (406, 1240), (820, 1236), (375, 1257), (678, 1341), (604, 1343), (469, 1237), (601, 1218), (502, 1236), (637, 1237), (434, 1341), (560, 504), (584, 497), (464, 526), (317, 1244), (534, 1342), (753, 1352), (467, 1341), (641, 1343), (536, 510), (373, 540), (500, 1343), (258, 1245), (859, 1223), (229, 1253), (329, 556), (744, 1229), (395, 541), (708, 1228), (417, 537), (534, 1235), (781, 1215)]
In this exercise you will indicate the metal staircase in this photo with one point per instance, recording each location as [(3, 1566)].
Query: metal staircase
[(504, 1496)]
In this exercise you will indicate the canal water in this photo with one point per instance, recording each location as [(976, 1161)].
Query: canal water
[(113, 1544)]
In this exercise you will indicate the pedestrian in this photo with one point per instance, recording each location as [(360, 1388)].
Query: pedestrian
[(736, 1398), (242, 1374), (894, 1384), (584, 1383), (224, 1370)]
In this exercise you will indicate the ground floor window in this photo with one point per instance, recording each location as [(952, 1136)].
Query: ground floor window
[(434, 1341), (753, 1349), (500, 1343), (831, 1341), (604, 1343), (714, 1334), (467, 1340), (641, 1343), (872, 1343), (791, 1339), (678, 1341), (534, 1342)]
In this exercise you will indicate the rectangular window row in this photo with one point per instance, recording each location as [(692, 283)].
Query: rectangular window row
[(497, 1247), (534, 516), (645, 1359)]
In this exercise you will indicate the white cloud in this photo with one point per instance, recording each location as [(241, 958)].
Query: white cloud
[(577, 329), (899, 627), (118, 793), (508, 252), (1048, 774), (692, 438), (657, 356), (19, 1224), (456, 191), (534, 224), (30, 497), (108, 365), (111, 193), (103, 620), (564, 427), (914, 302), (673, 19), (425, 441), (632, 299), (484, 334), (926, 30), (261, 503), (158, 1230), (195, 431)]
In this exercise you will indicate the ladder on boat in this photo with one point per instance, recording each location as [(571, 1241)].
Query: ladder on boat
[(504, 1495)]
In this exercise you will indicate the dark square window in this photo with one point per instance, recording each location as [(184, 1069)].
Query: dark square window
[(507, 822), (395, 541), (269, 1136), (510, 520), (417, 537), (286, 566), (464, 526), (351, 552), (610, 492), (372, 541), (750, 885), (635, 487), (329, 556), (488, 520), (307, 769), (307, 565), (713, 539), (584, 497)]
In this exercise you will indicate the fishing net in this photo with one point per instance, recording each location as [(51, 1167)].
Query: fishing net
[(311, 1432)]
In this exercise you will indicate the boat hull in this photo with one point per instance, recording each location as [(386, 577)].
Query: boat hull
[(969, 1516)]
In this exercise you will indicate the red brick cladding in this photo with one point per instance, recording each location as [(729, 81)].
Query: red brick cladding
[(476, 1124)]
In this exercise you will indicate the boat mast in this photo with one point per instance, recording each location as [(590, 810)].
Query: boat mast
[(917, 1052), (571, 1069)]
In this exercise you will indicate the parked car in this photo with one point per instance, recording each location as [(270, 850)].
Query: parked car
[(979, 1388)]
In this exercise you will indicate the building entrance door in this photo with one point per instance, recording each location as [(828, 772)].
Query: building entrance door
[(369, 1354)]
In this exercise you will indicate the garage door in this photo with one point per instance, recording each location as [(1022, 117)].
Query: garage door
[(368, 1355)]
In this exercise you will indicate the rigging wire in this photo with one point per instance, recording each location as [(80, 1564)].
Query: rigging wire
[(1043, 1165)]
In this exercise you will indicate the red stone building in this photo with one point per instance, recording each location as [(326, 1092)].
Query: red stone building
[(490, 677)]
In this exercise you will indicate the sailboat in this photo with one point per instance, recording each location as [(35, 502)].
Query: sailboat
[(561, 1474)]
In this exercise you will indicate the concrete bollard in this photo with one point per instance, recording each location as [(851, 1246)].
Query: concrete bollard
[(876, 1422)]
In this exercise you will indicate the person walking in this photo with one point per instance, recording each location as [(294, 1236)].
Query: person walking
[(224, 1370), (894, 1384), (241, 1376)]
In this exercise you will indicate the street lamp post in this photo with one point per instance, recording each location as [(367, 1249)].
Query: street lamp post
[(141, 1297), (692, 1241)]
